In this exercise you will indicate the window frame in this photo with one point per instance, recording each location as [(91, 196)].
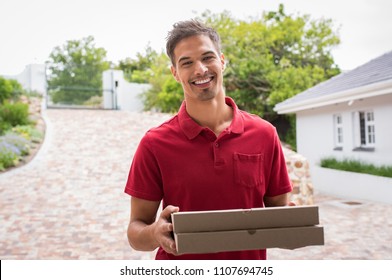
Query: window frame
[(368, 137), (338, 131), (364, 130)]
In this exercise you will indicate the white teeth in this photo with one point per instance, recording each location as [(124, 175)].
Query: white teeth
[(202, 81)]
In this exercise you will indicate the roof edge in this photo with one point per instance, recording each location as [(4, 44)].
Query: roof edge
[(371, 90)]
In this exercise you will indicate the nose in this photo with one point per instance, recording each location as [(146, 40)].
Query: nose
[(200, 68)]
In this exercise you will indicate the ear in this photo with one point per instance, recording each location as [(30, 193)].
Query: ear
[(223, 62), (174, 73)]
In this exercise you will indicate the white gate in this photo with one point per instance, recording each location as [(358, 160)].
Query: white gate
[(120, 94)]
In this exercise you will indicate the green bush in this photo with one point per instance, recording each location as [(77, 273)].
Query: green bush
[(9, 155), (94, 101), (357, 166), (14, 114), (5, 89), (10, 89), (4, 126), (28, 132)]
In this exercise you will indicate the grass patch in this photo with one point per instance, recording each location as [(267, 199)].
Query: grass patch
[(357, 166)]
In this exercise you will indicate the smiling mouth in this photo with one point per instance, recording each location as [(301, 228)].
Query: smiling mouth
[(203, 81)]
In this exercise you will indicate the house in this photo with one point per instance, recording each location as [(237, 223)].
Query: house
[(347, 117)]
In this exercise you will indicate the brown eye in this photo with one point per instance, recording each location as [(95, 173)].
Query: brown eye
[(186, 63), (207, 58)]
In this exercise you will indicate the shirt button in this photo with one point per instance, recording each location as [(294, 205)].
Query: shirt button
[(217, 145)]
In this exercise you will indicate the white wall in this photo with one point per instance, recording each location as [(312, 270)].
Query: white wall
[(120, 94), (110, 93), (314, 134), (315, 131), (32, 78), (349, 185), (129, 96)]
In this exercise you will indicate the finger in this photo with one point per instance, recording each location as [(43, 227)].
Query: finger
[(169, 245), (169, 227), (166, 228), (166, 213), (170, 209)]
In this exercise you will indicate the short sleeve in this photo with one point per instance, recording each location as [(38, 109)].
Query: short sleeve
[(279, 180), (144, 178)]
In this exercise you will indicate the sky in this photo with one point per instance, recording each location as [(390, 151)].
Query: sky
[(30, 30)]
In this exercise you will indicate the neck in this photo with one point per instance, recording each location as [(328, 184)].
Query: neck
[(214, 114)]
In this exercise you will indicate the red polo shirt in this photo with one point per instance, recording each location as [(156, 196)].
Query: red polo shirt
[(186, 165)]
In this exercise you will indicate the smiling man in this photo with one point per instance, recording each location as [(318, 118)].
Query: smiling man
[(210, 156)]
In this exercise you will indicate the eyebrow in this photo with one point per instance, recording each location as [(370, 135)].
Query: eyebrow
[(183, 58), (187, 57)]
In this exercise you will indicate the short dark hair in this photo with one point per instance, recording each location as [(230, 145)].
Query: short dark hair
[(188, 28)]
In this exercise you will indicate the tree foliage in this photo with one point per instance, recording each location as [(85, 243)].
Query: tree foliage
[(75, 71), (138, 70), (165, 94)]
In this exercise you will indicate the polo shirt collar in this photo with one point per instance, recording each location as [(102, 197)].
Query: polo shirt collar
[(193, 129)]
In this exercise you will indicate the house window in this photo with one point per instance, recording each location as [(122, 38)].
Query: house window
[(338, 123), (364, 127), (366, 121)]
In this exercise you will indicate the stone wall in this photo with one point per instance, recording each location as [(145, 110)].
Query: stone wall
[(298, 168)]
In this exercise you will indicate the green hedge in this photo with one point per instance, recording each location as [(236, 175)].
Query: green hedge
[(357, 166), (13, 114)]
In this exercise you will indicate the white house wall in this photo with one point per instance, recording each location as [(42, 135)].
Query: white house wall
[(315, 131), (312, 132)]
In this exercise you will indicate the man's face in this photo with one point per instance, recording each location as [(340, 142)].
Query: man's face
[(198, 67)]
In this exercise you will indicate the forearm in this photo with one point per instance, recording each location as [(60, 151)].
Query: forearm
[(279, 200), (145, 232), (141, 236)]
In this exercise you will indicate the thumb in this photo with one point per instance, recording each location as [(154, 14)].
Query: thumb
[(169, 210)]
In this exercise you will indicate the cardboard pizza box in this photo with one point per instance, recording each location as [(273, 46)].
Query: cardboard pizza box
[(247, 229), (254, 218), (238, 240)]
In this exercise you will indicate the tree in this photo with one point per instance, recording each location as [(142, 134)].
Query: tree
[(165, 94), (138, 70), (75, 71)]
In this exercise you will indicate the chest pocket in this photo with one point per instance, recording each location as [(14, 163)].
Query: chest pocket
[(247, 169)]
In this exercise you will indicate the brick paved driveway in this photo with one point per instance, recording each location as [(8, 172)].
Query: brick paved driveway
[(68, 203)]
